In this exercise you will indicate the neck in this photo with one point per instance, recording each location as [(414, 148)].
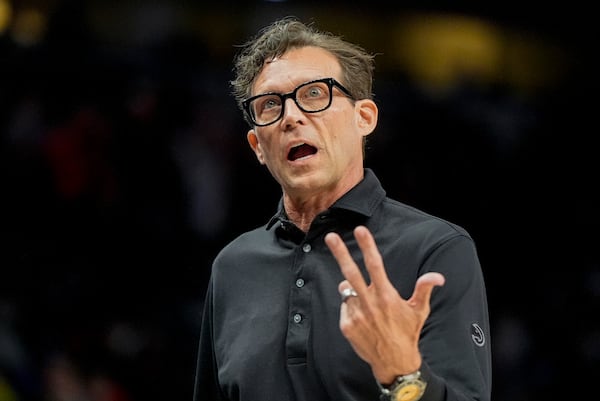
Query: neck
[(302, 207), (302, 212)]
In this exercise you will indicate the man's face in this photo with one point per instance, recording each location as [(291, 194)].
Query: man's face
[(312, 153)]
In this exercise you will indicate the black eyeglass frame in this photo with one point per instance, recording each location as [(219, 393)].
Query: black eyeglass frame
[(331, 82)]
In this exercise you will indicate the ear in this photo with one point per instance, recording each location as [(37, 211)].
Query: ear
[(367, 115), (255, 145)]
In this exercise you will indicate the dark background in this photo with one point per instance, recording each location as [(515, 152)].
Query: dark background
[(124, 169)]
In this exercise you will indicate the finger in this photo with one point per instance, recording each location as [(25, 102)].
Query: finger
[(348, 266), (348, 293), (373, 259), (343, 285), (423, 288)]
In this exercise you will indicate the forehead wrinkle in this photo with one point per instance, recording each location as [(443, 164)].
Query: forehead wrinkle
[(296, 66)]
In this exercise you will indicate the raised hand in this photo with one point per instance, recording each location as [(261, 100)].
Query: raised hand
[(382, 327)]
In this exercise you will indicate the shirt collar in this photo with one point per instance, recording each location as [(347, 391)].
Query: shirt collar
[(362, 198)]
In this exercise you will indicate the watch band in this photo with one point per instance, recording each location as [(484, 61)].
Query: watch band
[(409, 387)]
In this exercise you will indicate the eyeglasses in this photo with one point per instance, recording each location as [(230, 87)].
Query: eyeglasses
[(310, 97)]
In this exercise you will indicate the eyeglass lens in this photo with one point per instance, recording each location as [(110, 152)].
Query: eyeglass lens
[(310, 97)]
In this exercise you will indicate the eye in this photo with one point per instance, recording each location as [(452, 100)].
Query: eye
[(314, 91), (270, 103), (266, 103)]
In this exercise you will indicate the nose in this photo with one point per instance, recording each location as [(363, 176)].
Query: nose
[(291, 112)]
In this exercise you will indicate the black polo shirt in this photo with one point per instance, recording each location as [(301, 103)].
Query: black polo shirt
[(270, 330)]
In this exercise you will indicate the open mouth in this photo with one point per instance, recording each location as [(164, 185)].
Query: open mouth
[(300, 151)]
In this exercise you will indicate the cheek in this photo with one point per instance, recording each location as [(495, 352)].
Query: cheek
[(268, 149), (345, 134)]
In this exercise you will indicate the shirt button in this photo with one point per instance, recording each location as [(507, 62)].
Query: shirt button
[(300, 283), (297, 318), (306, 248)]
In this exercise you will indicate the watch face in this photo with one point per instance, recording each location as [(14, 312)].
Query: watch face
[(410, 391)]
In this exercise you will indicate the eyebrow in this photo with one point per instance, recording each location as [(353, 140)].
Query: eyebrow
[(294, 88)]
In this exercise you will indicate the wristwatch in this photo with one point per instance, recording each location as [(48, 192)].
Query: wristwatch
[(408, 387)]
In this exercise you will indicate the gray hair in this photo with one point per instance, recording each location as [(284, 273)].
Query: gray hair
[(289, 33)]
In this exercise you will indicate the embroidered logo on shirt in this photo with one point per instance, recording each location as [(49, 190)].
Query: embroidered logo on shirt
[(477, 335)]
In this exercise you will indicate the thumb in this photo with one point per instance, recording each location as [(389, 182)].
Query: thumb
[(423, 288)]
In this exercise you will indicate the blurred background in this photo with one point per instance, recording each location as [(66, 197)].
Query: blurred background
[(124, 169)]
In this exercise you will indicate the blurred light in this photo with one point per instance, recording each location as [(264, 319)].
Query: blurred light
[(29, 26), (7, 393), (442, 50), (5, 15)]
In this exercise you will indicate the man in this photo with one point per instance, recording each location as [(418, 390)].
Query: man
[(412, 320)]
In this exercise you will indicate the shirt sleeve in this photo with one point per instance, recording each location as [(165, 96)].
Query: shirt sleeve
[(206, 385), (455, 340)]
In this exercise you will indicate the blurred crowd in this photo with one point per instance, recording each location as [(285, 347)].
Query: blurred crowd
[(124, 169)]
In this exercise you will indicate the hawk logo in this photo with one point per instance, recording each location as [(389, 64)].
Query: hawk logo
[(477, 335)]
